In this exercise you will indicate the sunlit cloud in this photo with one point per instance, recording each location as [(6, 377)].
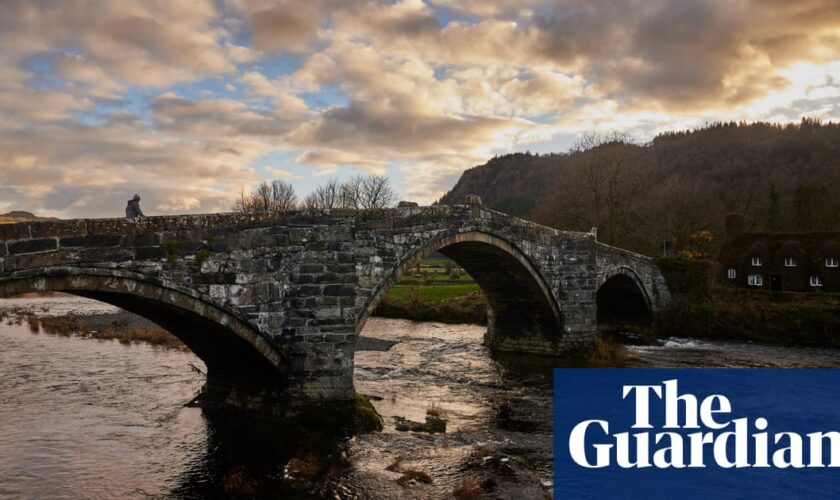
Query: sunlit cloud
[(188, 102)]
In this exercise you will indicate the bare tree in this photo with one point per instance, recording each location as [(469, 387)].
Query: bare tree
[(262, 197), (350, 192), (358, 192), (603, 188), (242, 204), (277, 196), (283, 196), (328, 194), (376, 192), (310, 202)]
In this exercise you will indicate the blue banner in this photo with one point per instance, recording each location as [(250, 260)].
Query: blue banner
[(696, 433)]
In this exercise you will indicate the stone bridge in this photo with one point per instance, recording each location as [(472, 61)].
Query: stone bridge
[(278, 300)]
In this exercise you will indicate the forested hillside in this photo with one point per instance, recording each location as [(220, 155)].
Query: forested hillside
[(783, 178)]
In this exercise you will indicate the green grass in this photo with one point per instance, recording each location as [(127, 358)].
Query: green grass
[(411, 279), (433, 263), (460, 302), (434, 270), (437, 293)]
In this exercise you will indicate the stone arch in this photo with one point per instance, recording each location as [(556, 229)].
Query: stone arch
[(622, 296), (521, 304), (228, 346)]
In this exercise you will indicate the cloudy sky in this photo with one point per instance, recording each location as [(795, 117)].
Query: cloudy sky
[(187, 102)]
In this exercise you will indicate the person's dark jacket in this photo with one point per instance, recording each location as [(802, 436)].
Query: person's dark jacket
[(133, 209)]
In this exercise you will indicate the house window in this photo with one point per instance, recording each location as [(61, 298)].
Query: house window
[(731, 274), (756, 261), (790, 262), (816, 280), (831, 262), (755, 280)]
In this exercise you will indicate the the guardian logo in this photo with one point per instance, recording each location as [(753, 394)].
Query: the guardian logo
[(695, 432)]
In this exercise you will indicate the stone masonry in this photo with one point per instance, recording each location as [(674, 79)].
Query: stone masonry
[(281, 298)]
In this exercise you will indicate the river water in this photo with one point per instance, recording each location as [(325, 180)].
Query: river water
[(85, 418)]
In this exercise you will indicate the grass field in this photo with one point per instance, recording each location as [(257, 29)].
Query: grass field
[(409, 298), (434, 270), (431, 293)]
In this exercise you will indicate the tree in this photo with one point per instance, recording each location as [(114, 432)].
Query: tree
[(350, 192), (359, 192), (773, 210), (283, 196), (375, 192), (677, 184), (277, 196), (310, 202), (326, 196), (603, 188)]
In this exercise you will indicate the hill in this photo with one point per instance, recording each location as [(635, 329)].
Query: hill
[(20, 216), (780, 177)]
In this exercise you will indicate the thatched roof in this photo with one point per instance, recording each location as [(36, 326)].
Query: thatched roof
[(758, 249), (830, 248), (769, 244), (791, 248)]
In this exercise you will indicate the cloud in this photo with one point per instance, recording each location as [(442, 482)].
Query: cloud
[(492, 8), (332, 158), (279, 173), (385, 130), (145, 43), (181, 99), (180, 204), (678, 57), (280, 25), (690, 55), (400, 109), (38, 105), (284, 98)]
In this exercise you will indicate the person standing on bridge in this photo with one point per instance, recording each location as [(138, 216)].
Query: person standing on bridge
[(132, 211)]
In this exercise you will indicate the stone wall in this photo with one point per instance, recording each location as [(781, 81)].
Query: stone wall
[(298, 287), (612, 261)]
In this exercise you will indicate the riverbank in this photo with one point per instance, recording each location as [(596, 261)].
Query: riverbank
[(702, 307), (454, 304), (110, 323), (801, 319)]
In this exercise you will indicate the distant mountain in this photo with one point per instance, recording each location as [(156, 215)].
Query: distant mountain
[(20, 216), (784, 178)]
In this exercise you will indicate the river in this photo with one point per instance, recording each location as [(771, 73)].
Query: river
[(85, 418)]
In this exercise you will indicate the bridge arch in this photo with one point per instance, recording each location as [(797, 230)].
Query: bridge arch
[(622, 297), (521, 304), (228, 346)]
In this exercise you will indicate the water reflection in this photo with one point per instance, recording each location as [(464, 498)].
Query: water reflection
[(253, 457), (90, 418)]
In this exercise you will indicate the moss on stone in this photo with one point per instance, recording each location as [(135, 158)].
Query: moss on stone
[(175, 246), (356, 416), (174, 249), (600, 352), (202, 255), (365, 417), (434, 423)]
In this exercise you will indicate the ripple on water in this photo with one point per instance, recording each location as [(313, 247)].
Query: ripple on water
[(89, 418)]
